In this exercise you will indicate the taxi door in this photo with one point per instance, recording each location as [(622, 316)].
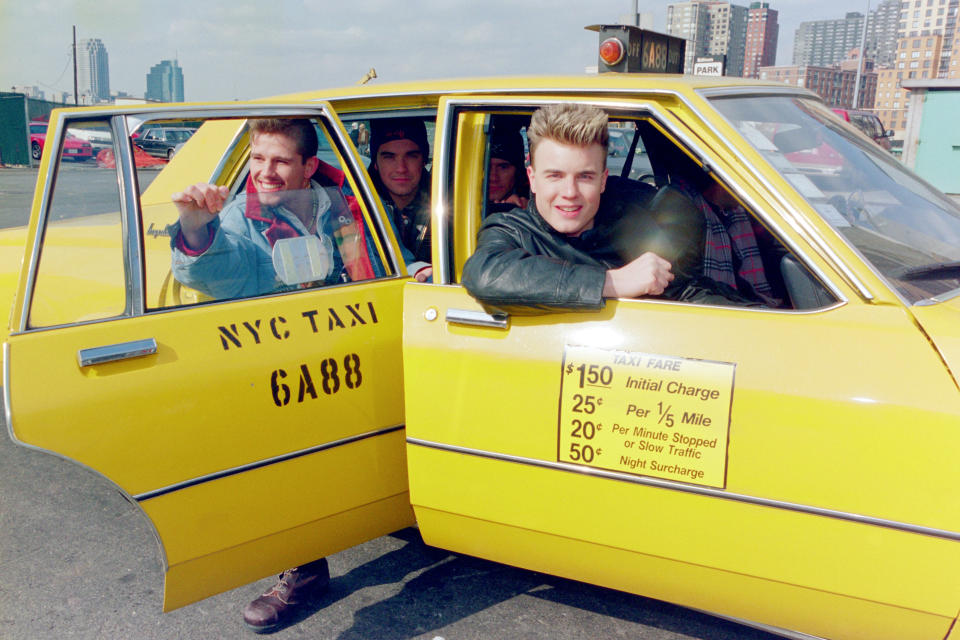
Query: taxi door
[(742, 461), (255, 433)]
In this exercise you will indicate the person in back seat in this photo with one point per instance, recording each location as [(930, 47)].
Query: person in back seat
[(731, 255), (506, 174), (399, 150)]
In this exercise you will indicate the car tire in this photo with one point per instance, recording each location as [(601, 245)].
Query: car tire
[(169, 155), (35, 150)]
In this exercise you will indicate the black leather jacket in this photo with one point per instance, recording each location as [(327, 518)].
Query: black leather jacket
[(522, 265)]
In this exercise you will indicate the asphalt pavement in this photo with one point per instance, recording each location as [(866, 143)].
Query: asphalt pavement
[(79, 561)]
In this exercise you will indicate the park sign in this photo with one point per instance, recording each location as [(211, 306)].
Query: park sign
[(709, 66)]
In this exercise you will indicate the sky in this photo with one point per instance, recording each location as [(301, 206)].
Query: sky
[(246, 49)]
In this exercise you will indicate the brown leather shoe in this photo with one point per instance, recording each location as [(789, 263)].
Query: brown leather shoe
[(293, 587)]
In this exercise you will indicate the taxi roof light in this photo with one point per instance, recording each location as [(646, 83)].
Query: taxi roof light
[(612, 51)]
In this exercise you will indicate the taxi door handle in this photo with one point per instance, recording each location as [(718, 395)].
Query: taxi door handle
[(478, 318), (114, 352)]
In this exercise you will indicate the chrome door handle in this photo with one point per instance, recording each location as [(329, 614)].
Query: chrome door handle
[(478, 318), (114, 352)]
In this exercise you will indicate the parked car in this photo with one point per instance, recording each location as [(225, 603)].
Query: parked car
[(162, 141), (99, 138), (791, 465), (74, 148), (869, 123)]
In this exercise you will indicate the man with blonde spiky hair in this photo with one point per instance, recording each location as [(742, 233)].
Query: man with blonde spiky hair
[(558, 253)]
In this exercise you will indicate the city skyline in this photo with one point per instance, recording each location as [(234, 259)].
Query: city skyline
[(224, 49)]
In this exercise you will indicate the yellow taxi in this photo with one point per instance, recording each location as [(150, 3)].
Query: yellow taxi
[(791, 463)]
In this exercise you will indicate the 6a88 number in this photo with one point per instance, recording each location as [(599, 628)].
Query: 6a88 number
[(331, 376)]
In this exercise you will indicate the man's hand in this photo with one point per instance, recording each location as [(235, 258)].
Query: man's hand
[(197, 205), (424, 274), (647, 275)]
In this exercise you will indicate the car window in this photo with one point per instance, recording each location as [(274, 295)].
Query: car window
[(258, 244), (80, 275), (904, 227), (644, 158)]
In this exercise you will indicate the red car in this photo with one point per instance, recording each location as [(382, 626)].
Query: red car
[(73, 147)]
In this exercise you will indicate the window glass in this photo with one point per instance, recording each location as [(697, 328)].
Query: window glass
[(283, 223), (905, 228), (80, 275), (399, 168)]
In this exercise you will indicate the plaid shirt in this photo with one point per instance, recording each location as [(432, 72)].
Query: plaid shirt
[(730, 252)]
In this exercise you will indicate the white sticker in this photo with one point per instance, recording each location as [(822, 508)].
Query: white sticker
[(303, 259)]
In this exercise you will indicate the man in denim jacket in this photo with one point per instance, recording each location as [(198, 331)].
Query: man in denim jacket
[(293, 228)]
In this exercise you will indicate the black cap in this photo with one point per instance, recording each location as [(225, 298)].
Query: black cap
[(386, 130)]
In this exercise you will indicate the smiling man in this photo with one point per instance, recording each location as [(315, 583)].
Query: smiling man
[(399, 151), (293, 228), (558, 253)]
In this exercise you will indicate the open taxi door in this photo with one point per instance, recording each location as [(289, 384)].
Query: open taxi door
[(254, 433)]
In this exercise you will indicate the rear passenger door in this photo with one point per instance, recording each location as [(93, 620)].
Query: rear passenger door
[(255, 433), (712, 456)]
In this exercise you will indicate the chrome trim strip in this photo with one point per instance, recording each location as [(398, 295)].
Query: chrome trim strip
[(798, 220), (441, 216), (692, 489), (568, 90), (208, 303), (777, 631), (130, 220), (155, 493), (478, 318), (664, 120), (943, 297), (735, 92), (7, 413), (114, 352), (34, 256), (372, 199)]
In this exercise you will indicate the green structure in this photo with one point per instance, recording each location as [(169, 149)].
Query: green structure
[(16, 110), (931, 145)]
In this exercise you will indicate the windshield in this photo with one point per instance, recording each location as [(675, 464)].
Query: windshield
[(905, 228)]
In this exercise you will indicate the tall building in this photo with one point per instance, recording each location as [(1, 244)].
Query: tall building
[(93, 71), (711, 28), (165, 82), (827, 42), (688, 20), (823, 43), (927, 31), (763, 31), (883, 31)]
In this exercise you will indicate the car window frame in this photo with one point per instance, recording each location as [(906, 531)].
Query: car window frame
[(123, 122), (679, 131)]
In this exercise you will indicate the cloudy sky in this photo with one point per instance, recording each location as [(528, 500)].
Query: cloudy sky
[(253, 48)]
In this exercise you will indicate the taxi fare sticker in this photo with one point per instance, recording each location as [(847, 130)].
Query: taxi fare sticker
[(645, 414)]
